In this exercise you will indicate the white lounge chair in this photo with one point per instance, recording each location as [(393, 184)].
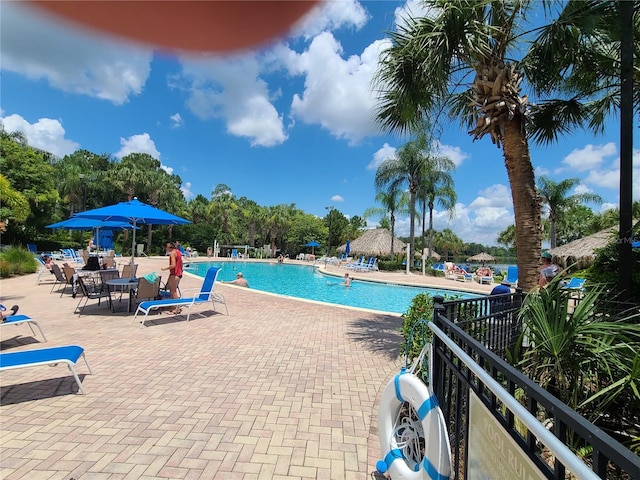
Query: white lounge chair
[(205, 295)]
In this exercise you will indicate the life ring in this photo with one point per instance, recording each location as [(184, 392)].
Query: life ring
[(418, 448)]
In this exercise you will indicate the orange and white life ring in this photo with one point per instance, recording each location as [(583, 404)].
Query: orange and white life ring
[(418, 448)]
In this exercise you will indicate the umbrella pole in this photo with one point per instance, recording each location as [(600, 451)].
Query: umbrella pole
[(133, 244)]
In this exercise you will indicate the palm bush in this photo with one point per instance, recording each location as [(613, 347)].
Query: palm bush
[(588, 359)]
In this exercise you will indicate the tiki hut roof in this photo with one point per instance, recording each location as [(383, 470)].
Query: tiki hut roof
[(482, 257), (582, 251), (375, 242)]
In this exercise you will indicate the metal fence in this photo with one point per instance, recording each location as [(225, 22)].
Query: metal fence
[(476, 327)]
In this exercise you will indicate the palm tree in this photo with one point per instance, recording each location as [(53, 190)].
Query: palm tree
[(406, 169), (554, 195), (431, 57), (436, 186), (394, 201), (448, 241)]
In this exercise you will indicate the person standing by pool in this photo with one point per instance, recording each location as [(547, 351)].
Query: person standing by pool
[(240, 281), (347, 281), (175, 271)]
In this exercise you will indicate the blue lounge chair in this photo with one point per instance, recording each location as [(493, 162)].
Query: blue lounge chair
[(20, 319), (234, 254), (46, 356), (512, 275), (575, 284), (32, 248), (205, 295)]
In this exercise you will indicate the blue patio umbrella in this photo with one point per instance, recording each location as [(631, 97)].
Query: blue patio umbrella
[(312, 244), (136, 213), (635, 244), (347, 248), (78, 223)]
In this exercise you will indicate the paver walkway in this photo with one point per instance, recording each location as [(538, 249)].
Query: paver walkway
[(279, 389)]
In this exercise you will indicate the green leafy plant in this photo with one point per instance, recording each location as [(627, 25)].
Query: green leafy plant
[(588, 359), (17, 261)]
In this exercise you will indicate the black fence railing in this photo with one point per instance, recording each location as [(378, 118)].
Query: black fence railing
[(492, 320), (453, 381)]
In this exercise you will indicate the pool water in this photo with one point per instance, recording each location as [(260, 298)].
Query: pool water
[(302, 281)]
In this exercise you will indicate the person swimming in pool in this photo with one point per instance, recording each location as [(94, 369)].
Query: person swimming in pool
[(240, 281), (347, 281)]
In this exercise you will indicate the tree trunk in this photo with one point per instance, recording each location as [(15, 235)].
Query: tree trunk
[(552, 234), (412, 224), (526, 204), (393, 227), (148, 238), (430, 229)]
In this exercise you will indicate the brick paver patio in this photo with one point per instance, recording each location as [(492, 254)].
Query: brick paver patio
[(279, 389)]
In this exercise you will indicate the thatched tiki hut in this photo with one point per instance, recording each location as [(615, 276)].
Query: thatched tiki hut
[(581, 252), (375, 243)]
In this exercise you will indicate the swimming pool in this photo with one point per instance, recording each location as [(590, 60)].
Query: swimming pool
[(302, 281)]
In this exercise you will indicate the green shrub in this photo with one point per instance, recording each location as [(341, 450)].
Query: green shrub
[(17, 261), (415, 332)]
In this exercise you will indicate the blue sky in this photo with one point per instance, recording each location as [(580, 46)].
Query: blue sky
[(290, 123)]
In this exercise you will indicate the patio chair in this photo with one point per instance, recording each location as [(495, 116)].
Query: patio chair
[(205, 295), (32, 248), (140, 250), (52, 356), (234, 254), (20, 319), (60, 277), (146, 291), (129, 271), (91, 290), (43, 272)]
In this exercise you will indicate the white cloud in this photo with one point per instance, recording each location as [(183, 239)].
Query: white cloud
[(186, 190), (332, 16), (46, 134), (454, 153), (589, 157), (414, 8), (176, 120), (337, 198), (481, 221), (337, 93), (141, 143), (608, 206), (69, 58), (381, 155), (582, 188), (232, 90)]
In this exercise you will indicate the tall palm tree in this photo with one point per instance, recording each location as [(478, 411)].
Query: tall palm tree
[(575, 56), (554, 196), (394, 201), (431, 57), (405, 170), (436, 186)]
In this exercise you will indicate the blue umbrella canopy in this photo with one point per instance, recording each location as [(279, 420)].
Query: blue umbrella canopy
[(313, 244), (78, 223), (136, 213), (347, 247)]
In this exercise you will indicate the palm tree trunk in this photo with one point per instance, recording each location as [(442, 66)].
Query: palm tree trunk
[(430, 229), (393, 227), (526, 204), (552, 234), (412, 225)]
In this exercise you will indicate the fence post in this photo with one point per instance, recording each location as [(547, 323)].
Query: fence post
[(437, 376)]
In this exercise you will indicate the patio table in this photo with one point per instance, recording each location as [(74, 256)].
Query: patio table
[(122, 284)]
